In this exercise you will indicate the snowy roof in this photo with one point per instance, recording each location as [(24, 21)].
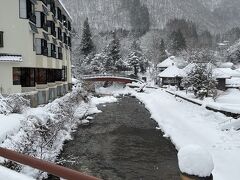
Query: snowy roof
[(189, 67), (167, 63), (225, 72), (226, 65), (233, 82), (172, 71), (13, 58)]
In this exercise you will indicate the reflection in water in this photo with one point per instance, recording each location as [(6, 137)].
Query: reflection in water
[(122, 143)]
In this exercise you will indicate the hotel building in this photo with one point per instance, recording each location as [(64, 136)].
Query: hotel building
[(35, 48)]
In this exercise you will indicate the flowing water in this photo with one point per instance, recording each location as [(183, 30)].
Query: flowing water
[(122, 143)]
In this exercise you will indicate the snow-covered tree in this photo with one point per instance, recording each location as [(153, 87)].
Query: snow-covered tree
[(113, 53), (87, 45), (201, 81), (162, 49), (178, 42), (136, 59)]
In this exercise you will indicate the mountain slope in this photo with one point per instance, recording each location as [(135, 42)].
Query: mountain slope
[(215, 15)]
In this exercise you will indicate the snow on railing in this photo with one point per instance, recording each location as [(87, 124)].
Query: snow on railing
[(95, 76)]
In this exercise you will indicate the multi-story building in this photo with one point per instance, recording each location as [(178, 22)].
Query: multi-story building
[(35, 48)]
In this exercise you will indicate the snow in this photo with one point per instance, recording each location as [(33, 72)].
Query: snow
[(226, 72), (195, 160), (173, 71), (189, 68), (226, 65), (222, 73), (167, 63), (228, 101), (12, 175), (75, 81), (103, 100), (11, 58), (9, 124), (186, 124), (233, 82)]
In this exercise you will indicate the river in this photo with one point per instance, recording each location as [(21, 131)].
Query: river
[(122, 143)]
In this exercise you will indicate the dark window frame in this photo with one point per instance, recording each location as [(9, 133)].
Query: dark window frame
[(1, 39)]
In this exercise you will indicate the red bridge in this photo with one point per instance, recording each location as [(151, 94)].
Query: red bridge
[(110, 78)]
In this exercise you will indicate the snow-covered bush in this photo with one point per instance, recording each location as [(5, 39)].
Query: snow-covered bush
[(4, 108), (45, 129), (15, 103)]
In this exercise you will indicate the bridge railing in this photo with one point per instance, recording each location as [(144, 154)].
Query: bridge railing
[(44, 166)]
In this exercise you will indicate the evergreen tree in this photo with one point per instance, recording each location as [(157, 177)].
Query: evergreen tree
[(201, 81), (136, 59), (162, 49), (178, 42), (113, 53), (87, 45)]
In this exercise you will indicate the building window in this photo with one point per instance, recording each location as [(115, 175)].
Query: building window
[(16, 76), (51, 26), (64, 73), (69, 26), (69, 41), (53, 50), (1, 39), (59, 14), (60, 55), (22, 8), (27, 77), (41, 47), (34, 43), (58, 75), (50, 75), (41, 76), (59, 34)]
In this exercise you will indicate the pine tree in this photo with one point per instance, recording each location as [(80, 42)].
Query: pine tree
[(87, 45), (178, 41), (113, 50), (200, 79), (162, 49), (136, 59)]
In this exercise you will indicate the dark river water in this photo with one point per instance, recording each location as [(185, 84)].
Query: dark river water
[(122, 143)]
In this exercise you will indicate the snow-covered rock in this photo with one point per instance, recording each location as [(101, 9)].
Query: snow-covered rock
[(195, 160)]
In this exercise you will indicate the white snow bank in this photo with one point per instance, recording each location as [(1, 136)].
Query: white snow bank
[(194, 160), (114, 90), (186, 123), (12, 175), (229, 101), (103, 100), (9, 124)]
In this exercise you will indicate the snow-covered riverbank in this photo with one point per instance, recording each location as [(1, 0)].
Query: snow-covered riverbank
[(185, 124), (41, 132)]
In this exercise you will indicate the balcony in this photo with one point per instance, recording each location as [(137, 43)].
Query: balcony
[(32, 18)]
